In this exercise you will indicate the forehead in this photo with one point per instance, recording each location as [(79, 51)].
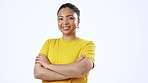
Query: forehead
[(66, 11)]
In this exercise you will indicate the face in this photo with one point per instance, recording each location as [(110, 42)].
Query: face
[(67, 21)]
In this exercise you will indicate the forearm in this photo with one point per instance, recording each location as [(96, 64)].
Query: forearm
[(74, 70), (48, 75), (69, 70)]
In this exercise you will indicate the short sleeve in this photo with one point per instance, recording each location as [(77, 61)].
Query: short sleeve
[(45, 48), (89, 50)]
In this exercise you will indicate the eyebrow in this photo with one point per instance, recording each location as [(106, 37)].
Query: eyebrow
[(66, 16)]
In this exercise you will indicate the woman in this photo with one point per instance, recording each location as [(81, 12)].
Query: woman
[(67, 59)]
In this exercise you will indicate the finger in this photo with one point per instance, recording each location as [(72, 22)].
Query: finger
[(40, 62), (39, 56), (42, 55), (39, 59), (81, 58), (36, 62)]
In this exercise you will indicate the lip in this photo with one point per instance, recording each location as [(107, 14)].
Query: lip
[(66, 27)]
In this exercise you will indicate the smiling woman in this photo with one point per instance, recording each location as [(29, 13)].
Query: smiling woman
[(67, 59), (67, 22)]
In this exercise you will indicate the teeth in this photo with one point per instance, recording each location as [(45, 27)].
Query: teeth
[(65, 28)]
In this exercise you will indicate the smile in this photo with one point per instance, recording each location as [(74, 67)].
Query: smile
[(66, 27)]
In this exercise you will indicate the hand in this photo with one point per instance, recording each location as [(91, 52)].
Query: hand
[(80, 58), (43, 60)]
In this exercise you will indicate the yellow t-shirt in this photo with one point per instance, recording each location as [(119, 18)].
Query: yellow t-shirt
[(60, 51)]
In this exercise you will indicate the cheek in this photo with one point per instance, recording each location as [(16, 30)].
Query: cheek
[(73, 24), (59, 24)]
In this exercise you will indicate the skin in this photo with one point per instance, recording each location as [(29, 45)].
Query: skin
[(44, 70), (67, 23)]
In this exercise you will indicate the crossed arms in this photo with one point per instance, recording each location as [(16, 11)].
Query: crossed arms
[(44, 70)]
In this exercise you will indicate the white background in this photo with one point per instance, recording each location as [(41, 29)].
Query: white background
[(119, 29)]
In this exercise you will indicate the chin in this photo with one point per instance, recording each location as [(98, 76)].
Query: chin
[(66, 33)]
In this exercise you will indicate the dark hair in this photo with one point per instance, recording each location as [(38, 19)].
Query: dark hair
[(72, 7)]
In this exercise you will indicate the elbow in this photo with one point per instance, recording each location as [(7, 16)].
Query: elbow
[(77, 73), (37, 74), (80, 73)]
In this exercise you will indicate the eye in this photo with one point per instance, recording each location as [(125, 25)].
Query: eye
[(60, 18), (71, 18)]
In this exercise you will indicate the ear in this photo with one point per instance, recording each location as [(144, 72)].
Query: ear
[(78, 22)]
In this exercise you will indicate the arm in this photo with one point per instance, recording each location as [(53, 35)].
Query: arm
[(74, 70), (44, 74)]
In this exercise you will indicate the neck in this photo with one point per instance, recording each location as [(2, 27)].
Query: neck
[(69, 37)]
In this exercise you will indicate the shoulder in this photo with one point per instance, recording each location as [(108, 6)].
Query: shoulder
[(52, 39), (84, 41)]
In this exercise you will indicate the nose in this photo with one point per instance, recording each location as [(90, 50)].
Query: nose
[(65, 21)]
